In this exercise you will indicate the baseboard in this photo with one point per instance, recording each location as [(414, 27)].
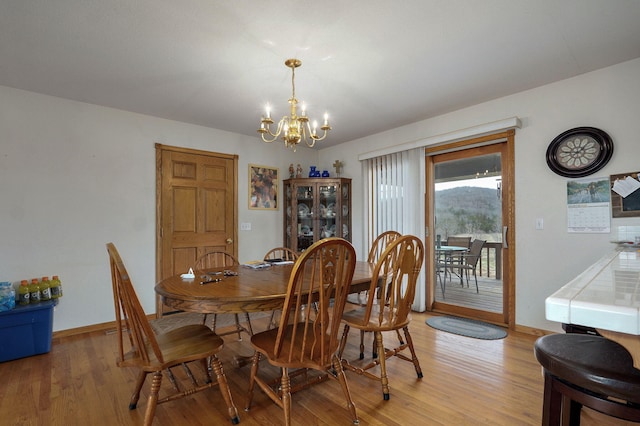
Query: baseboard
[(532, 331), (105, 326)]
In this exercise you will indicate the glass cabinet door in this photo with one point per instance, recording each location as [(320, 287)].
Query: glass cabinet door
[(305, 195), (328, 208), (343, 211), (290, 215)]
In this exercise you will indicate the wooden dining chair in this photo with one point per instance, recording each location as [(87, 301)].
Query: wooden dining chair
[(377, 248), (397, 268), (218, 260), (305, 339), (282, 254), (150, 353)]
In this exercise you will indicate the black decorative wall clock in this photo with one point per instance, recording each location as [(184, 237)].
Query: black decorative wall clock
[(579, 152)]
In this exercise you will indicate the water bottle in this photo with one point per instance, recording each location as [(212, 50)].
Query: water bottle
[(55, 287), (34, 291), (23, 293), (45, 291), (7, 296)]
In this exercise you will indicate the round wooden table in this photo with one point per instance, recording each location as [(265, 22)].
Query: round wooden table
[(252, 290)]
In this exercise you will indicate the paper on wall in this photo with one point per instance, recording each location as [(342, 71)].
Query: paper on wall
[(626, 186)]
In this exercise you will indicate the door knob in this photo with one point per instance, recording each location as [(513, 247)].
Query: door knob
[(229, 241)]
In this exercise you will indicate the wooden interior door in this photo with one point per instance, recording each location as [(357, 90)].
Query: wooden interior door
[(195, 208)]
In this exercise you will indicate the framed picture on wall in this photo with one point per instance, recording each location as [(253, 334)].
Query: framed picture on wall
[(263, 187)]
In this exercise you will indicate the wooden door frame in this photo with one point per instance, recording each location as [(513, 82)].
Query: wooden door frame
[(160, 148), (507, 316)]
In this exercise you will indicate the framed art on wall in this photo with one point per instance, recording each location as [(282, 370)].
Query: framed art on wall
[(263, 187)]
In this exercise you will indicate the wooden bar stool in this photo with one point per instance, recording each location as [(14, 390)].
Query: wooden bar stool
[(586, 370)]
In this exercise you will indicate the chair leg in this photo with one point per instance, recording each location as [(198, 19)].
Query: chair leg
[(476, 278), (252, 379), (362, 346), (374, 349), (342, 378), (206, 364), (414, 357), (133, 403), (384, 380), (552, 403), (150, 412), (343, 340), (224, 389), (285, 383), (574, 412)]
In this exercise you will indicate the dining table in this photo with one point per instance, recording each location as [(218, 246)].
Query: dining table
[(445, 256), (239, 289)]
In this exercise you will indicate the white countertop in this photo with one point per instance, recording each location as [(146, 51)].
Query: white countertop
[(605, 296)]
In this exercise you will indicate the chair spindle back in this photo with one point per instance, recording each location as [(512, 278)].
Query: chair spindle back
[(380, 243), (398, 269), (130, 317), (321, 275)]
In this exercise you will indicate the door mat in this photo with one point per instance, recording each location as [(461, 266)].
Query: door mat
[(467, 327)]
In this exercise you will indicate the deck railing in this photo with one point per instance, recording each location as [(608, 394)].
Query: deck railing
[(490, 264)]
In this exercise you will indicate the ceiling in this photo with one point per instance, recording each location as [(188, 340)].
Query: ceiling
[(371, 64)]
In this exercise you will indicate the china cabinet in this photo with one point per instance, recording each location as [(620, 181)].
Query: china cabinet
[(316, 208)]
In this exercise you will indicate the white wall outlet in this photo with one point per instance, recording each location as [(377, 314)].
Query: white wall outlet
[(245, 226), (539, 223)]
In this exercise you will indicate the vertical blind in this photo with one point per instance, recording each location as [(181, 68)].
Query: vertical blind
[(394, 186), (394, 193)]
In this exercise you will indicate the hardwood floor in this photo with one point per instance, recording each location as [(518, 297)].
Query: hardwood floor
[(466, 382)]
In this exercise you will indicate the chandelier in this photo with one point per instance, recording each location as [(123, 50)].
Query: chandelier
[(293, 128)]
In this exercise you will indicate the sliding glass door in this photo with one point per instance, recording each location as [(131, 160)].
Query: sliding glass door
[(469, 215)]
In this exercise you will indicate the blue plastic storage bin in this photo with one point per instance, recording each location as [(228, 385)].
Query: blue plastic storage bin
[(26, 330)]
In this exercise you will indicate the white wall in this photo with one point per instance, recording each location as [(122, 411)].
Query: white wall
[(76, 176), (546, 259)]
